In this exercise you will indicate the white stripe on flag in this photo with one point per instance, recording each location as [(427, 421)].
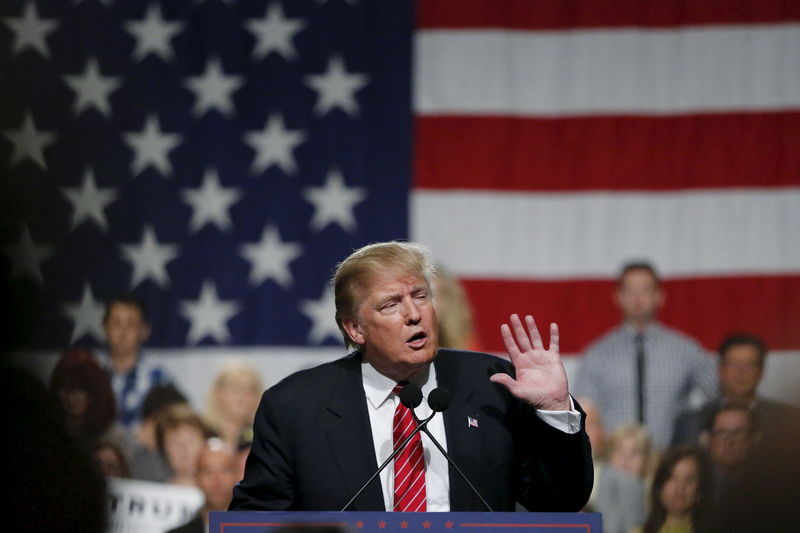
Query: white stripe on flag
[(586, 235), (607, 71)]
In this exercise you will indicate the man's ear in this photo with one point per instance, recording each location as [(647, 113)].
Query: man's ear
[(703, 438), (354, 331), (145, 334)]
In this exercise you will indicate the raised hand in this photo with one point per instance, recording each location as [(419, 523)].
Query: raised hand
[(540, 376)]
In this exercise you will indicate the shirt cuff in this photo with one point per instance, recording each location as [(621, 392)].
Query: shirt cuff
[(566, 421)]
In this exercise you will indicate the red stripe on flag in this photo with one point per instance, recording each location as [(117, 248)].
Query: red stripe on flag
[(708, 309), (561, 14), (602, 153)]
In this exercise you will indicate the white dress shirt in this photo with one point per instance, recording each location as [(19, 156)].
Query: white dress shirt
[(381, 405)]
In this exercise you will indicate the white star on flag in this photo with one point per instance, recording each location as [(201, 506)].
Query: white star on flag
[(208, 315), (153, 34), (213, 89), (89, 201), (210, 203), (28, 142), (86, 316), (27, 257), (151, 145), (92, 89), (322, 314), (149, 258), (274, 33), (30, 31), (334, 202), (273, 146), (336, 88), (270, 258)]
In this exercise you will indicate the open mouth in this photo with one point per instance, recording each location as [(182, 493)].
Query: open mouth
[(417, 340)]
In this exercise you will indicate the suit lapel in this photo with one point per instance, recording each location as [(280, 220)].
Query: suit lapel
[(463, 442), (347, 428)]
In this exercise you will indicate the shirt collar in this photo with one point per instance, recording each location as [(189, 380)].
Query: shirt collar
[(378, 388)]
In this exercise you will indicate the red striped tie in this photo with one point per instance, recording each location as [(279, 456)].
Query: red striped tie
[(409, 465)]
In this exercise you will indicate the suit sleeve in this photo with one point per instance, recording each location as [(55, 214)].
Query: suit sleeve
[(268, 483)]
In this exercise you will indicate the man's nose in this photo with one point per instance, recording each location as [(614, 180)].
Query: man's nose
[(411, 310)]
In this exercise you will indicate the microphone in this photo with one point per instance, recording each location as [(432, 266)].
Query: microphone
[(438, 401), (411, 397)]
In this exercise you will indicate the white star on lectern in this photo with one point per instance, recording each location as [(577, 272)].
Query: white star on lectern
[(336, 88), (321, 313), (149, 258), (273, 145), (89, 202), (153, 34), (274, 33), (334, 202), (213, 89), (150, 146), (208, 315), (30, 31), (210, 202), (270, 258), (27, 257), (86, 316), (92, 88), (28, 142)]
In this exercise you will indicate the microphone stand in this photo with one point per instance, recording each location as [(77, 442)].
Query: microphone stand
[(421, 426)]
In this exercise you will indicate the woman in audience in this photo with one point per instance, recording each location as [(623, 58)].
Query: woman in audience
[(679, 497), (110, 461), (181, 435), (85, 394), (233, 401), (629, 449)]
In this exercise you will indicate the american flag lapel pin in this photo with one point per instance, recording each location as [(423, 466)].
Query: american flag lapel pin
[(472, 422)]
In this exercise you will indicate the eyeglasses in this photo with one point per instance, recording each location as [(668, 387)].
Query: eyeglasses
[(741, 433)]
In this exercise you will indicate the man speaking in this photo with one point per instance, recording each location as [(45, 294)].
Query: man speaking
[(321, 434)]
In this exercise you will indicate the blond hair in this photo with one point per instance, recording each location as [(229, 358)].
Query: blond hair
[(230, 371), (352, 274)]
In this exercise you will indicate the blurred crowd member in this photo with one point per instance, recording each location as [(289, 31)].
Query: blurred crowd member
[(84, 392), (110, 460), (741, 367), (242, 451), (630, 450), (181, 434), (618, 495), (729, 440), (148, 463), (50, 485), (132, 375), (643, 371), (453, 311), (232, 402), (215, 475), (680, 494)]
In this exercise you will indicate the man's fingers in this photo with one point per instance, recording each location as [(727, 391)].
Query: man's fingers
[(554, 337), (503, 379), (509, 342), (534, 331), (520, 334)]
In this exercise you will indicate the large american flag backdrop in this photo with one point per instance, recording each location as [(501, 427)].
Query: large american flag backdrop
[(219, 157)]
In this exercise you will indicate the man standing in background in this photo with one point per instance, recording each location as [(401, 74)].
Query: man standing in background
[(642, 371)]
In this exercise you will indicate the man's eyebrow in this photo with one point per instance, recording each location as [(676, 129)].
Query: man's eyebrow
[(388, 298)]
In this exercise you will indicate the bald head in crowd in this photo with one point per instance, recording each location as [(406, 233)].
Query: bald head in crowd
[(216, 474)]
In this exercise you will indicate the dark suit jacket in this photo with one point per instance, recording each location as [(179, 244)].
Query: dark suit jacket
[(313, 445)]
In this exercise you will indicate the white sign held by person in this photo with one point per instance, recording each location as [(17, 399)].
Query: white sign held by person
[(142, 506)]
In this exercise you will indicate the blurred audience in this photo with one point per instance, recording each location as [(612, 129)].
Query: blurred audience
[(454, 313), (242, 451), (110, 460), (215, 475), (232, 402), (680, 501), (84, 392), (148, 463), (180, 435), (618, 495), (643, 372), (132, 374), (630, 450), (741, 366)]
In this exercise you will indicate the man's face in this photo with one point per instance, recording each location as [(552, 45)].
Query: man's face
[(638, 296), (740, 372), (395, 323), (216, 476), (730, 438), (125, 329)]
